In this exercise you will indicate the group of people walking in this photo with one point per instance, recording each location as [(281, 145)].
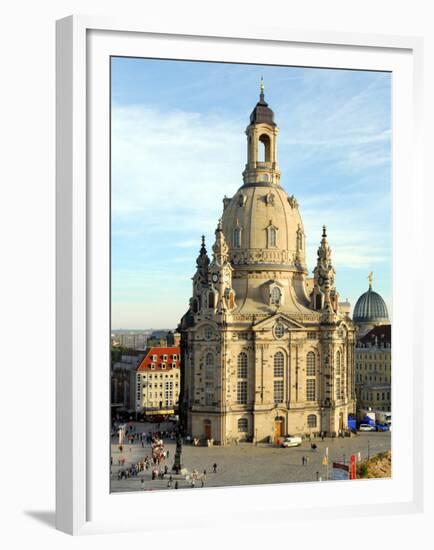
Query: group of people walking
[(155, 461)]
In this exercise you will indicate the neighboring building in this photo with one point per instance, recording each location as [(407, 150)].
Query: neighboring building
[(370, 311), (156, 381), (130, 340), (373, 369), (120, 379), (173, 338), (265, 350), (158, 339)]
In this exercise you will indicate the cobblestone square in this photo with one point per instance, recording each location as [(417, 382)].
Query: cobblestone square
[(245, 463)]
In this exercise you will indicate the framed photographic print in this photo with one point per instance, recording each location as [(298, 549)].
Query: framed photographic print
[(235, 211)]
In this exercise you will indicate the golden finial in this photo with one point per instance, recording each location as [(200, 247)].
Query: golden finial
[(370, 277), (262, 85)]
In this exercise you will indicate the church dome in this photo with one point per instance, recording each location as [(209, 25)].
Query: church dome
[(262, 225), (370, 308)]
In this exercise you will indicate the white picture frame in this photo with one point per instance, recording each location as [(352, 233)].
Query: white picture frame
[(84, 47)]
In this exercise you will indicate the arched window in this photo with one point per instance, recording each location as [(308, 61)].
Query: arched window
[(338, 363), (242, 425), (275, 295), (310, 364), (242, 365), (310, 377), (311, 421), (237, 237), (242, 379), (279, 364), (264, 148), (209, 366), (339, 381)]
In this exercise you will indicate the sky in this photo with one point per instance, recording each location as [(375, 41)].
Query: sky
[(178, 146)]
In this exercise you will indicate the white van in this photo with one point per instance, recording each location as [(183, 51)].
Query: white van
[(291, 441)]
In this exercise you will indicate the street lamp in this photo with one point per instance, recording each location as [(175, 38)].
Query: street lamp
[(177, 464)]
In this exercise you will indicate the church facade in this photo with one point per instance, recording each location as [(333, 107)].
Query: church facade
[(266, 350)]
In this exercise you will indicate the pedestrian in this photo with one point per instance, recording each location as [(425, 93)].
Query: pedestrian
[(192, 483), (214, 468), (176, 485), (322, 436), (142, 481), (204, 474), (167, 454), (302, 460), (202, 482)]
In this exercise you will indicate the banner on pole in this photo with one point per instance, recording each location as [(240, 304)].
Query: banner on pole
[(353, 467)]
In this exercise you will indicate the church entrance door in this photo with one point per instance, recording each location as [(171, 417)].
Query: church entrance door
[(278, 428), (207, 428)]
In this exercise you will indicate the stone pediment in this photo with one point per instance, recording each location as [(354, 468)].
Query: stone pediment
[(269, 322)]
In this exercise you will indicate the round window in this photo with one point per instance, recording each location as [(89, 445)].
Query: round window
[(279, 330)]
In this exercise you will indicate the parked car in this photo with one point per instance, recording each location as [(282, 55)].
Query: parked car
[(382, 428), (366, 428), (291, 441)]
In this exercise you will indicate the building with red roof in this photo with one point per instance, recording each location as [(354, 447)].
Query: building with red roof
[(156, 384)]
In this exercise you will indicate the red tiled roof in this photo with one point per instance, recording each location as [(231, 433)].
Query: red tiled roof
[(159, 352)]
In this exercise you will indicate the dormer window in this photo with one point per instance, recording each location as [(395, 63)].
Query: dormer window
[(271, 236), (163, 366), (299, 239), (154, 358), (237, 237), (276, 296), (164, 357)]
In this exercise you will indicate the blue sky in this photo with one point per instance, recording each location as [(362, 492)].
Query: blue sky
[(178, 146)]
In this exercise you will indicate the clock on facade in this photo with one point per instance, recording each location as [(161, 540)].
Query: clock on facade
[(215, 278)]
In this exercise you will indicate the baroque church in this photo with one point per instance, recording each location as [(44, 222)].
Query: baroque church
[(266, 350)]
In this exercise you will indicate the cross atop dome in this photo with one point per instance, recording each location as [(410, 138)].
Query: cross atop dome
[(262, 112)]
